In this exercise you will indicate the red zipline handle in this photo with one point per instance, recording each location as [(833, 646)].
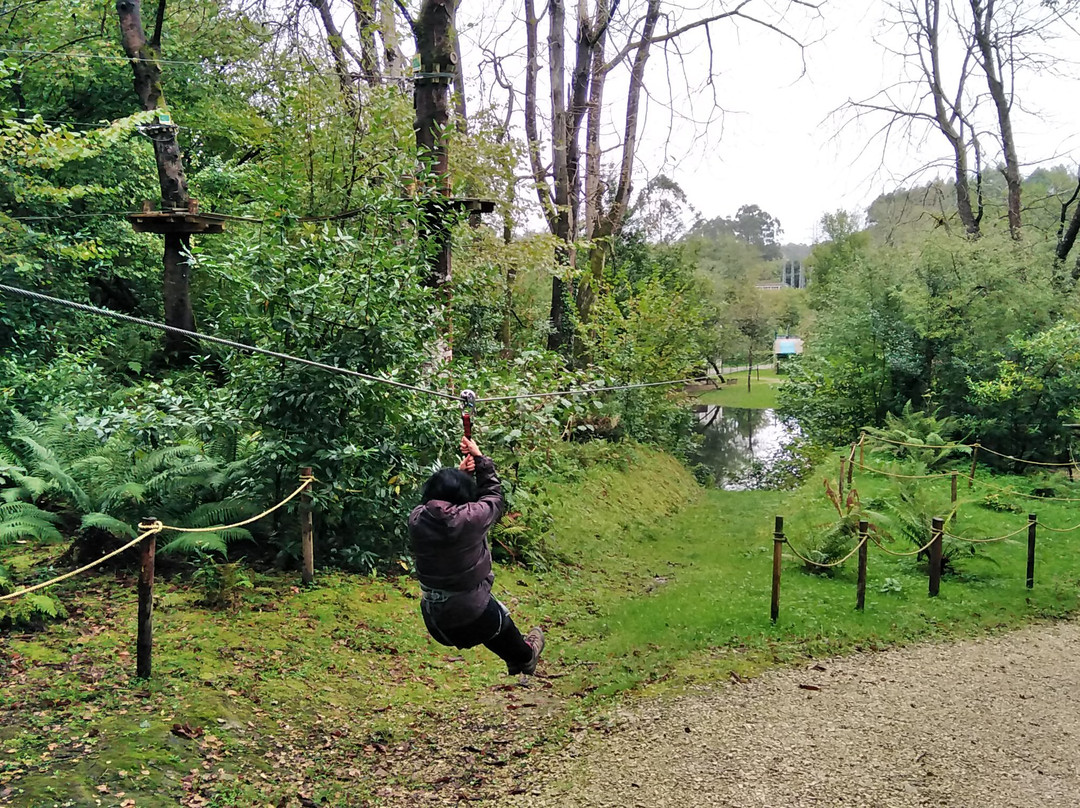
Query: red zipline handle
[(468, 402)]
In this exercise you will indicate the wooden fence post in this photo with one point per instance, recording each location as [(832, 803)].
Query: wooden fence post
[(974, 458), (864, 538), (144, 642), (851, 466), (862, 443), (778, 546), (840, 479), (307, 540), (1033, 521), (938, 529), (954, 476)]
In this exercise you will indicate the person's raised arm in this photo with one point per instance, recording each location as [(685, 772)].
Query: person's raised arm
[(490, 503)]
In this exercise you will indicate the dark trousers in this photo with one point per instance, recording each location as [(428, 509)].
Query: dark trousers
[(494, 628)]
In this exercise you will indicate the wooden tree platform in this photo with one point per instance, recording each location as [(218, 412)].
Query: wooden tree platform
[(176, 221)]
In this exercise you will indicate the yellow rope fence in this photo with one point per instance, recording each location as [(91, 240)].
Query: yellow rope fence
[(886, 550), (304, 483), (153, 527), (157, 527), (977, 480), (978, 446), (806, 560), (1058, 529)]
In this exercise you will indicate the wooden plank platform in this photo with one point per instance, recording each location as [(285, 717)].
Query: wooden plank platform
[(163, 222)]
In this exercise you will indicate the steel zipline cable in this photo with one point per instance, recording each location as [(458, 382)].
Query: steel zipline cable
[(240, 346)]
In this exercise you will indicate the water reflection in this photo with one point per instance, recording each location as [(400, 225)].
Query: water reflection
[(739, 443)]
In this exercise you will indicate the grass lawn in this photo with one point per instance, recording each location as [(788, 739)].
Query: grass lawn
[(335, 693), (761, 396)]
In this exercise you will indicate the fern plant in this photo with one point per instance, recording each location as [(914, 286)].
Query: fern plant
[(907, 516), (53, 473), (930, 438), (831, 542)]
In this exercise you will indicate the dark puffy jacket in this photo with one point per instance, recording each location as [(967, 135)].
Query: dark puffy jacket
[(449, 543)]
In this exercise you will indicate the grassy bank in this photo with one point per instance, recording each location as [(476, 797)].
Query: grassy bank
[(760, 396), (335, 695)]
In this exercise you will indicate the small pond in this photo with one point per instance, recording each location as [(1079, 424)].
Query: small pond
[(746, 449)]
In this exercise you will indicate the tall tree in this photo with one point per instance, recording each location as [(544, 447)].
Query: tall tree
[(948, 48), (578, 200), (143, 53)]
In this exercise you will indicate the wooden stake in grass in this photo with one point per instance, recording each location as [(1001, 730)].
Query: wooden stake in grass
[(144, 642), (778, 546), (938, 529), (1032, 523), (860, 592), (307, 539), (954, 476), (840, 479), (851, 465)]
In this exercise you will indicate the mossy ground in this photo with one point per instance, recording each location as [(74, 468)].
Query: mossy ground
[(334, 695)]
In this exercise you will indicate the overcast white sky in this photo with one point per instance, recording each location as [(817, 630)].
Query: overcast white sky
[(779, 147)]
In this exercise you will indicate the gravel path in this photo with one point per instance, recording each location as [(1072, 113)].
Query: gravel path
[(990, 723)]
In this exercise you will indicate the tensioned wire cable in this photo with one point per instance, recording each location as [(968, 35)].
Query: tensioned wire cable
[(219, 340), (240, 346)]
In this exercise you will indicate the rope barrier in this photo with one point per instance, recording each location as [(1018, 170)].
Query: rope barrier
[(153, 527), (1058, 529), (903, 476), (970, 446), (158, 527), (304, 483), (830, 564), (38, 296), (887, 551), (1028, 462), (977, 480), (987, 541), (1026, 496)]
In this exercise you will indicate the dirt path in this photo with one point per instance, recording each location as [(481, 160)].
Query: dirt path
[(989, 723)]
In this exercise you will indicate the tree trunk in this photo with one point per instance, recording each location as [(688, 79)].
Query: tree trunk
[(511, 278), (1067, 233), (532, 135), (611, 222), (434, 36), (947, 116), (176, 287), (392, 56), (338, 46), (992, 68), (365, 31), (562, 330)]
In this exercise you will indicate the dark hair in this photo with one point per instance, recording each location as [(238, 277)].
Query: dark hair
[(450, 485)]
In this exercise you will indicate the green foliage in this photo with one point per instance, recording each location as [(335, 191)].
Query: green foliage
[(913, 321), (25, 520), (907, 514), (28, 611), (829, 543), (223, 584), (105, 484), (921, 436), (1023, 408)]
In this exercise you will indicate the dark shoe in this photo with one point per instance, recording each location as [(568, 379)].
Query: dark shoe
[(535, 640)]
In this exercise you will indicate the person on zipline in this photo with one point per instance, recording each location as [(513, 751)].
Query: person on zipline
[(453, 562)]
